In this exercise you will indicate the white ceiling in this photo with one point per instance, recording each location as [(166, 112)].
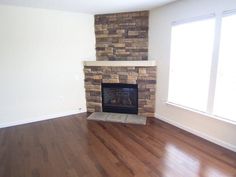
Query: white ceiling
[(90, 6)]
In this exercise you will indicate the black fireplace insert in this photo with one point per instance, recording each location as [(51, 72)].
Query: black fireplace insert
[(120, 98)]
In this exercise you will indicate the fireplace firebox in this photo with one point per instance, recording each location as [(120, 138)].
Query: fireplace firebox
[(120, 98)]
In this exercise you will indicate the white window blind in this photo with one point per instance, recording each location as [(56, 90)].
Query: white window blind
[(225, 95), (190, 65)]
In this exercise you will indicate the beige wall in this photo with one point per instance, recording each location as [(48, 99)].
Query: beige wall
[(41, 72), (212, 129)]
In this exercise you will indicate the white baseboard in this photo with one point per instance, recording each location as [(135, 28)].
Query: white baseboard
[(197, 133), (40, 118)]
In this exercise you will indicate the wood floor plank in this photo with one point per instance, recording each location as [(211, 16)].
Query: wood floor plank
[(74, 147)]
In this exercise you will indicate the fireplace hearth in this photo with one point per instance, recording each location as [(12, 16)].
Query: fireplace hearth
[(120, 98)]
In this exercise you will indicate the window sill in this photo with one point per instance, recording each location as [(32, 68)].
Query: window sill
[(201, 113)]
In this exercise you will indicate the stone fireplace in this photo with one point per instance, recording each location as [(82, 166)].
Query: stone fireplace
[(122, 59), (142, 73)]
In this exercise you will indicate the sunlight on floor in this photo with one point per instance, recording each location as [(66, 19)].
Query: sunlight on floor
[(188, 161)]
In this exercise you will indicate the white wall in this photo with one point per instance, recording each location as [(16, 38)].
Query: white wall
[(212, 129), (41, 72)]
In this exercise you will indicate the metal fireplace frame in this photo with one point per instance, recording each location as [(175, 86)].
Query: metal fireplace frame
[(118, 109)]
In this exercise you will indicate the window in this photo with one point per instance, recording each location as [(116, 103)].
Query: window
[(203, 66), (225, 96), (191, 56)]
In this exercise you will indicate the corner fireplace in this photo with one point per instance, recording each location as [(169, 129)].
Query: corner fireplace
[(120, 98)]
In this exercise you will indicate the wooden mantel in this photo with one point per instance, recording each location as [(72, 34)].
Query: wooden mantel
[(121, 63)]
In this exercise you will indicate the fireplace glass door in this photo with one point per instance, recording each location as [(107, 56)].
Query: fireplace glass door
[(120, 98)]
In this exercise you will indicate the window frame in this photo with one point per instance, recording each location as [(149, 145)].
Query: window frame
[(214, 65)]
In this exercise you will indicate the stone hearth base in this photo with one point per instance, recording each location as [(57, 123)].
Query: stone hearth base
[(120, 118)]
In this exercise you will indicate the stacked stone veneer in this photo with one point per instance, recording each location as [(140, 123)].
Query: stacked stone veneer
[(145, 77), (122, 36)]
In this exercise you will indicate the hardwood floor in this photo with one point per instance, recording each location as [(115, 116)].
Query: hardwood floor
[(74, 147)]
